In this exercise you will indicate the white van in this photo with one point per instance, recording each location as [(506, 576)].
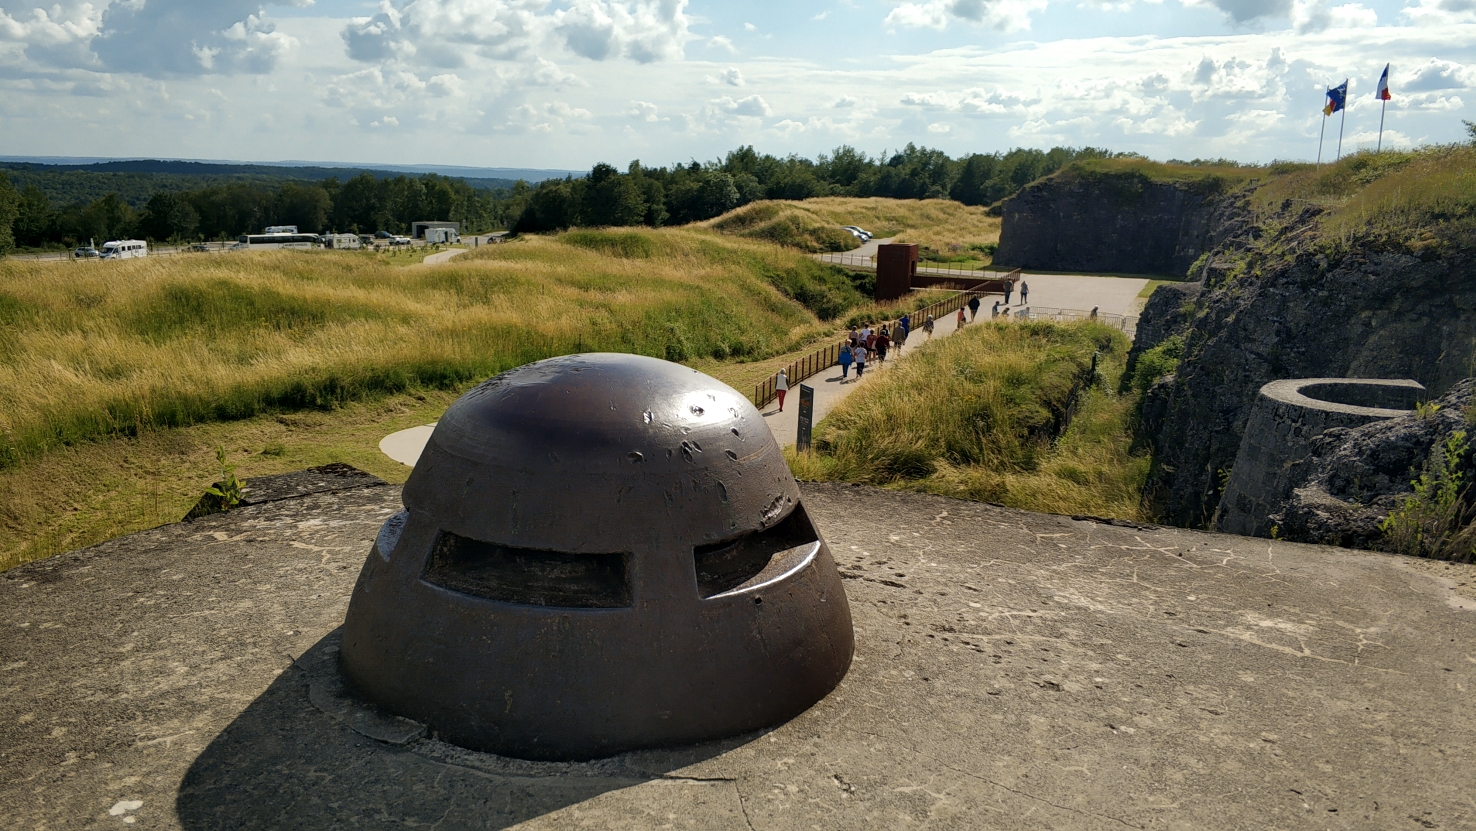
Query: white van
[(281, 229), (125, 249), (442, 235)]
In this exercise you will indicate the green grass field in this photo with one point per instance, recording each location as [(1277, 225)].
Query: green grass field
[(947, 231), (979, 416), (122, 377)]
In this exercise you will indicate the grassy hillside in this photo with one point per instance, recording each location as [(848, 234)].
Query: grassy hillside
[(89, 350), (948, 231), (978, 416)]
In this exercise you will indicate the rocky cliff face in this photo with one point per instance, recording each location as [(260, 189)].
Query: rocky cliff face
[(1280, 302), (1114, 222)]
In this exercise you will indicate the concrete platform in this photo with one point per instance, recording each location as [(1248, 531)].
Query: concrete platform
[(1013, 670)]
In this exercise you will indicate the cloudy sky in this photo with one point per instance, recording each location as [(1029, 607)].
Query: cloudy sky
[(566, 83)]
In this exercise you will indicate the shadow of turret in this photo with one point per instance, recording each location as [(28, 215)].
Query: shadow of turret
[(288, 762)]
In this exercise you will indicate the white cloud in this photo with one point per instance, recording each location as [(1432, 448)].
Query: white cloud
[(1438, 74), (720, 42), (979, 101), (1003, 15), (844, 102), (938, 127), (159, 38), (451, 32), (749, 27), (752, 107), (644, 111), (730, 76)]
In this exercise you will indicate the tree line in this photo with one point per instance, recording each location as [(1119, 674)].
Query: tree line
[(363, 204), (640, 195), (688, 193)]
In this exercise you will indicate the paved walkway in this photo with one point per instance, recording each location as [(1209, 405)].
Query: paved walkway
[(1112, 295)]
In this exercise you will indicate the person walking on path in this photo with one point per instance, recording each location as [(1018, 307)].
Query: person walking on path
[(961, 320), (994, 312), (1024, 292), (855, 337), (860, 355), (870, 340), (973, 307), (928, 326), (845, 361), (781, 386), (899, 337), (865, 337), (906, 324), (1009, 287), (882, 342)]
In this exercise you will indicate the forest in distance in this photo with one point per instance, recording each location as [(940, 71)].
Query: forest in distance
[(34, 217)]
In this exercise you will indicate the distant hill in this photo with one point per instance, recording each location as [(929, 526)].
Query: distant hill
[(70, 180), (285, 169)]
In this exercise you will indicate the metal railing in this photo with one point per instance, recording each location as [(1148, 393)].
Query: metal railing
[(1127, 323), (869, 261), (826, 357)]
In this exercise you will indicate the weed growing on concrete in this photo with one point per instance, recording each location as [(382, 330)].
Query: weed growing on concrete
[(1436, 522)]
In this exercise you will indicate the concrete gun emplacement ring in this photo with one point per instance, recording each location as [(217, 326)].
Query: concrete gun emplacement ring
[(599, 553)]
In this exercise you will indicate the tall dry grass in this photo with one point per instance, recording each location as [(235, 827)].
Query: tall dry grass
[(814, 224), (978, 416), (89, 350)]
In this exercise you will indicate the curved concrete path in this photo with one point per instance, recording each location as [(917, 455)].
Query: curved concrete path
[(1112, 295)]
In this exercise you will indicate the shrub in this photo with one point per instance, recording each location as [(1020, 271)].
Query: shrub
[(1436, 521), (1157, 362)]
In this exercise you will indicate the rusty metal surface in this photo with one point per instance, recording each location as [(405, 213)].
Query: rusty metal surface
[(599, 553)]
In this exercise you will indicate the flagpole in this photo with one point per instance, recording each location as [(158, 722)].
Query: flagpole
[(1320, 134), (1383, 105), (1340, 131)]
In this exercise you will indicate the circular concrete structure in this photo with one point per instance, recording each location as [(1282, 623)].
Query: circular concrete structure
[(598, 553), (1287, 416)]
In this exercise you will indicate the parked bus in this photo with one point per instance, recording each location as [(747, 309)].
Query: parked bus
[(270, 242), (125, 249)]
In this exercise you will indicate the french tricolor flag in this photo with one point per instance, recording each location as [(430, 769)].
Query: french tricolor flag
[(1382, 93)]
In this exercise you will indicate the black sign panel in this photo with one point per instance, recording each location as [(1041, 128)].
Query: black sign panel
[(806, 418)]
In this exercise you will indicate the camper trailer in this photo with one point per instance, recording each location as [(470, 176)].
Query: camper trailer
[(442, 235), (125, 249), (342, 242)]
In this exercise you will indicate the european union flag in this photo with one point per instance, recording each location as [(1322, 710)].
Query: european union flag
[(1337, 98)]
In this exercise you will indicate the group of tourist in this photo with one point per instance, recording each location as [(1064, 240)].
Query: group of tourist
[(865, 344)]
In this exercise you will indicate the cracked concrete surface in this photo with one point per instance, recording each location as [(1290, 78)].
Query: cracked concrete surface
[(1013, 670)]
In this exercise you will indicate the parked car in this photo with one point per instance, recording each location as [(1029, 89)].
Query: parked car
[(862, 234), (383, 235), (399, 240), (86, 252), (199, 246)]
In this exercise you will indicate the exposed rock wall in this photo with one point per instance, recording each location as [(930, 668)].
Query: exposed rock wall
[(1168, 311), (1118, 222), (1279, 306)]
